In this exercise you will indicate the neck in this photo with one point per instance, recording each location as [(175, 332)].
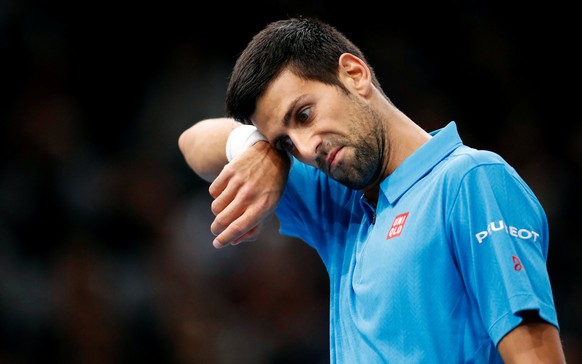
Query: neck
[(372, 194), (402, 137)]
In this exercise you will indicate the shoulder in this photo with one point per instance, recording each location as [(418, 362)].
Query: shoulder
[(484, 171), (486, 164), (466, 158)]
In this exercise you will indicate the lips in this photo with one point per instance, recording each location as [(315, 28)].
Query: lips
[(331, 158)]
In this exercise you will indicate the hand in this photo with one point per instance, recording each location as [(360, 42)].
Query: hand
[(246, 193)]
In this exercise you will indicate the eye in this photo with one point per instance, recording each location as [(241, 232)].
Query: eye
[(304, 114), (284, 143)]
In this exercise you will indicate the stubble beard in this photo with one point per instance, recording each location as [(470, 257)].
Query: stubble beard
[(363, 154)]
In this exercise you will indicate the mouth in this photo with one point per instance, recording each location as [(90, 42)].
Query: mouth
[(333, 158)]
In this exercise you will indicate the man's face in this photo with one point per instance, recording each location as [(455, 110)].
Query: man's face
[(321, 125)]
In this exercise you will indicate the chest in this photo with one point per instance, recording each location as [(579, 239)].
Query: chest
[(402, 255)]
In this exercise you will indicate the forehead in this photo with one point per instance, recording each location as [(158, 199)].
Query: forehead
[(279, 97)]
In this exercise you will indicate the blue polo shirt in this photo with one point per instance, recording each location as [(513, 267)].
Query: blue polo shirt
[(437, 273)]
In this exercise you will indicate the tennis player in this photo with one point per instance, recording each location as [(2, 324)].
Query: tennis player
[(436, 251)]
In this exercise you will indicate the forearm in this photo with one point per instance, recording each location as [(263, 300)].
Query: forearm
[(534, 341), (203, 146)]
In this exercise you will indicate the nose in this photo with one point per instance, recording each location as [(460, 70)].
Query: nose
[(305, 145)]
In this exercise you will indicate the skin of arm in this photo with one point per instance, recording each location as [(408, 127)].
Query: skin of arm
[(533, 341), (203, 146), (246, 191)]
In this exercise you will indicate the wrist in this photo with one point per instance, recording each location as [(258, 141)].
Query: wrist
[(240, 139)]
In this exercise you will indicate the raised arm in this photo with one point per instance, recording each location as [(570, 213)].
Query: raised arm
[(203, 146), (247, 190)]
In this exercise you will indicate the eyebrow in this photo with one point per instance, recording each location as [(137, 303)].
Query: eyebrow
[(292, 106)]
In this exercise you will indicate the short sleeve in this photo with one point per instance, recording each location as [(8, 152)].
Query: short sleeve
[(499, 233)]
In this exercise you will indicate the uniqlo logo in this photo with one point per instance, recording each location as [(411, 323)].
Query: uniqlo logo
[(397, 226)]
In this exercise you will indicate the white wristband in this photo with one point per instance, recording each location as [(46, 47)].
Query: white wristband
[(241, 138)]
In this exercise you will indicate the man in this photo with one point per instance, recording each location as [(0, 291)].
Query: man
[(436, 252)]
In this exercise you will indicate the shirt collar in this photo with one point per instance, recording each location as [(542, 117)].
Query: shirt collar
[(419, 163)]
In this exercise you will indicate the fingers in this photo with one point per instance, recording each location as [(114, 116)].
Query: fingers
[(245, 228), (251, 235), (245, 193), (228, 207), (237, 211), (224, 198), (232, 223), (220, 183)]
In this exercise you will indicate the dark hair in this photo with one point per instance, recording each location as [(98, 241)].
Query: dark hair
[(310, 49)]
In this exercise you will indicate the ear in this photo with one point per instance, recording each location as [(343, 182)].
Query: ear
[(355, 74)]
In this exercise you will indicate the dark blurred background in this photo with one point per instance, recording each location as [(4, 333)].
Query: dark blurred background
[(105, 247)]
